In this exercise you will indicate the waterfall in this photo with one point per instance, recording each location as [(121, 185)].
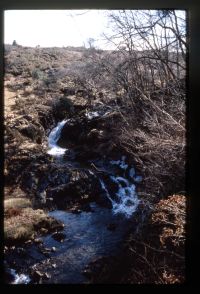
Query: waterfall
[(54, 135), (125, 200)]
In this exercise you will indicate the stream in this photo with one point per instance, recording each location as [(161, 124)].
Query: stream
[(87, 235)]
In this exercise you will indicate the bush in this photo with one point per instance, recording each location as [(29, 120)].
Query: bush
[(38, 74), (158, 254)]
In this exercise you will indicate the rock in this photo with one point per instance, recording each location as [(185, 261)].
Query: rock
[(75, 210), (86, 207), (73, 131), (54, 265), (59, 236), (53, 249), (68, 91), (42, 197), (47, 276), (21, 251), (87, 272), (111, 227), (38, 241), (37, 275), (31, 131), (85, 197), (103, 201), (43, 230), (46, 249), (8, 276), (82, 93), (28, 242)]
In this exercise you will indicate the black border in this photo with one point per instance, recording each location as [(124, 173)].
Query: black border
[(193, 82)]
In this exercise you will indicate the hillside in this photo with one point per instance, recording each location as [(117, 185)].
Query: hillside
[(77, 142)]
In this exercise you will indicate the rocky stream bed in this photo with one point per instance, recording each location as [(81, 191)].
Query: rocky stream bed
[(83, 181)]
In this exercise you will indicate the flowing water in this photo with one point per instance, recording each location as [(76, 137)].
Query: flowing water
[(89, 235), (54, 135)]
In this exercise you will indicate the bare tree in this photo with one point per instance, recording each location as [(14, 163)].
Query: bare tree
[(151, 70)]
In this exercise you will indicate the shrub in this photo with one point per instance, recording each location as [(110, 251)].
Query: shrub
[(38, 74)]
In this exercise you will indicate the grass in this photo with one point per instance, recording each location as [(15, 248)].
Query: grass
[(22, 223), (16, 203), (21, 227)]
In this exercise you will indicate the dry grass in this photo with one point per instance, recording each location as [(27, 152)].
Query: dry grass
[(156, 143), (171, 214), (16, 203), (22, 226), (158, 254)]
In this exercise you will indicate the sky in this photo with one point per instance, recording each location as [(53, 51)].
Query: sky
[(49, 28), (59, 28)]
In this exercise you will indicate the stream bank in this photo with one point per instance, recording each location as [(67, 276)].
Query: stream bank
[(94, 196)]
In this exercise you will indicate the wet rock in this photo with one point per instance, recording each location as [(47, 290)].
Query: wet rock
[(46, 249), (43, 231), (103, 201), (49, 224), (53, 249), (85, 197), (37, 275), (74, 131), (28, 242), (8, 276), (38, 241), (87, 272), (112, 227), (42, 197), (113, 186), (47, 276), (75, 210), (21, 251), (104, 270), (86, 207), (59, 236), (82, 188)]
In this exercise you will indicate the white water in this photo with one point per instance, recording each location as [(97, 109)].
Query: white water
[(92, 114), (54, 135), (20, 279), (121, 163), (127, 200)]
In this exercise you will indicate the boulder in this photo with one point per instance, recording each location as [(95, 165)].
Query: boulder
[(59, 236)]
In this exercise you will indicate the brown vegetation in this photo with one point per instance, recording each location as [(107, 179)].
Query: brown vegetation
[(22, 224), (146, 88), (156, 255)]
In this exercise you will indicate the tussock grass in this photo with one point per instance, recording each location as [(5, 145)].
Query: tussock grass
[(22, 226), (17, 203)]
